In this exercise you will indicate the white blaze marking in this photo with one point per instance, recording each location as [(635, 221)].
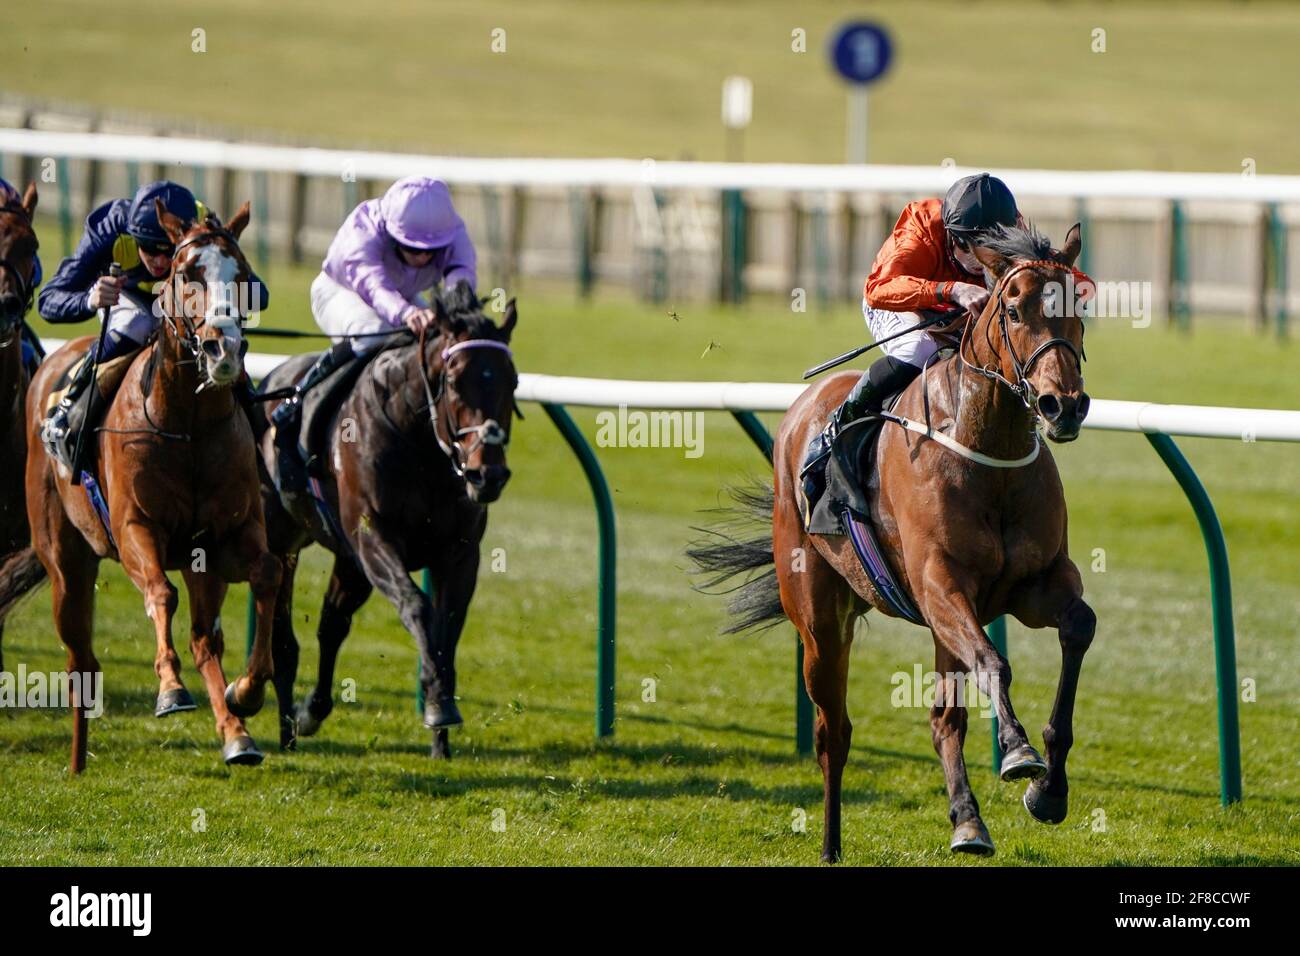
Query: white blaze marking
[(219, 271)]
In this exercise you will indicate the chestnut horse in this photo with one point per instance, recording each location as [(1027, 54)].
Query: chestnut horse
[(968, 539), (417, 452), (17, 274), (178, 469)]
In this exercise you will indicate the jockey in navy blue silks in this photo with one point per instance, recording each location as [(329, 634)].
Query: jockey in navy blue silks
[(9, 196), (126, 232)]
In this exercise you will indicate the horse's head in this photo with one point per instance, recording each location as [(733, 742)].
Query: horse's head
[(206, 295), (18, 247), (1030, 336), (470, 382)]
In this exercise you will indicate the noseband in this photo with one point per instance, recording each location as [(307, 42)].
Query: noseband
[(1021, 387), (489, 432)]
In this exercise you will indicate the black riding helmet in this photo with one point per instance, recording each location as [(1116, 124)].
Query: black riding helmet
[(142, 219), (977, 203)]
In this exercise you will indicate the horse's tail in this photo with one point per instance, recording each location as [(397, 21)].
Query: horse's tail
[(19, 574), (731, 548)]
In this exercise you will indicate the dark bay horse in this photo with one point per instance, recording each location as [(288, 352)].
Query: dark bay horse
[(969, 540), (18, 247), (178, 468), (415, 454)]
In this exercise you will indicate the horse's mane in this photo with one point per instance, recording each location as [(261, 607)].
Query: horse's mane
[(464, 312), (1016, 243)]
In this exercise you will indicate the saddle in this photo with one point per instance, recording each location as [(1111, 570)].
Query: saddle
[(321, 405), (839, 505), (108, 377)]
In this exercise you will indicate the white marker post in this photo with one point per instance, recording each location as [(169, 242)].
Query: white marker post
[(737, 111)]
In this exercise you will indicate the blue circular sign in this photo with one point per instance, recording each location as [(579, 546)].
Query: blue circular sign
[(861, 52)]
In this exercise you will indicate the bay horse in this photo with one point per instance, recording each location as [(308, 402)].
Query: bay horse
[(177, 467), (416, 452), (968, 539), (18, 246)]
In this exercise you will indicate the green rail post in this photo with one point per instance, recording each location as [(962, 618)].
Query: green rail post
[(1278, 242), (427, 585), (733, 246), (997, 632), (803, 706), (582, 208), (132, 177), (65, 203), (1180, 309), (605, 639), (262, 214), (200, 180), (250, 621), (1225, 648)]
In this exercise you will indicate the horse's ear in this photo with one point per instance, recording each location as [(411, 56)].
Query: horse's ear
[(1073, 244), (512, 316), (29, 199), (995, 262), (171, 224), (239, 220)]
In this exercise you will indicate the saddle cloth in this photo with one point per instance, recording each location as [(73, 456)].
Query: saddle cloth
[(839, 506)]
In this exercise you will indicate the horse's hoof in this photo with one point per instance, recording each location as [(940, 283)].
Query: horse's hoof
[(443, 713), (173, 702), (831, 856), (1023, 763), (242, 711), (971, 836), (1044, 807), (241, 750), (307, 724)]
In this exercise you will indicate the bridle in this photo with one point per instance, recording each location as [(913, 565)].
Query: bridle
[(1021, 387), (26, 287), (189, 338), (488, 432)]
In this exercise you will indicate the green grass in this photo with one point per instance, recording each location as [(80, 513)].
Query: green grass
[(1186, 86), (706, 773)]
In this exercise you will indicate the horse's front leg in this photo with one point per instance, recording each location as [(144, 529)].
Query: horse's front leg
[(454, 590), (348, 590), (386, 570), (1056, 598), (948, 722), (948, 606), (247, 693), (141, 550), (207, 591)]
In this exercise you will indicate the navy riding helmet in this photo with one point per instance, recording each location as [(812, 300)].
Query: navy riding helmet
[(976, 203), (142, 218)]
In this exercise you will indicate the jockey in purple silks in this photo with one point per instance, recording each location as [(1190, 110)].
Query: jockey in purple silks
[(388, 253)]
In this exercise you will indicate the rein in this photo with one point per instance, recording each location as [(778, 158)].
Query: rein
[(489, 432), (1020, 388)]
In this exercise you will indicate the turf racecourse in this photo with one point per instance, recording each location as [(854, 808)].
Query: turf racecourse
[(706, 772)]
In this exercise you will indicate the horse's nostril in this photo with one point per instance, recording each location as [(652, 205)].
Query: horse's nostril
[(1050, 407), (1084, 404)]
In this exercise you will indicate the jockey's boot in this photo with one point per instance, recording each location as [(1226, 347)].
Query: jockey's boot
[(291, 477), (61, 426), (886, 376), (246, 396)]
